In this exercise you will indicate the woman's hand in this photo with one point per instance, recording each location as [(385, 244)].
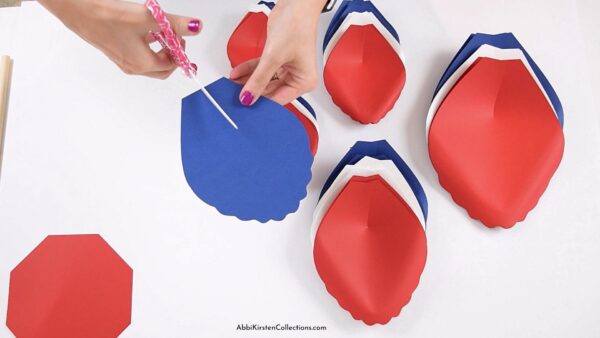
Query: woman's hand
[(121, 29), (287, 67)]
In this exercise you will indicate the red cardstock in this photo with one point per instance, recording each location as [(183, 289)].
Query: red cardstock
[(364, 75), (495, 142), (248, 40), (370, 250), (70, 286), (311, 129)]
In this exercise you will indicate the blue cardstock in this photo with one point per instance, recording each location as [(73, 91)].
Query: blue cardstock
[(380, 150), (359, 6), (503, 41), (258, 172), (267, 3)]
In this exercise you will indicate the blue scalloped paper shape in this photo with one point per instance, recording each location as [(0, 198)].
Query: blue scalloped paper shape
[(380, 150), (258, 172), (359, 6), (503, 41)]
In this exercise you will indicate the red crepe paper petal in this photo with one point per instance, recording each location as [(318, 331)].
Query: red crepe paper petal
[(70, 286), (364, 74), (370, 250), (495, 142)]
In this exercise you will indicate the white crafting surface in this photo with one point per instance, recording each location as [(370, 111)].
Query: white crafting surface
[(9, 17), (89, 150)]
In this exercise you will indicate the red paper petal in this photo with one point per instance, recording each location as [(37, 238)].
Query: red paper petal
[(248, 40), (311, 130), (364, 75), (370, 250), (70, 286), (495, 142)]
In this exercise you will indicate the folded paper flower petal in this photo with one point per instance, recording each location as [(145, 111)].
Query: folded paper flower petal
[(367, 166), (362, 19), (248, 39), (304, 112), (381, 150), (483, 51), (496, 142), (70, 286), (503, 41), (370, 250), (364, 73), (258, 172)]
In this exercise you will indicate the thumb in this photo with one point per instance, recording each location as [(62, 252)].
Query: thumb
[(183, 25), (258, 81)]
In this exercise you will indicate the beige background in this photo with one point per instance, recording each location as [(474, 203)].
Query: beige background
[(9, 3)]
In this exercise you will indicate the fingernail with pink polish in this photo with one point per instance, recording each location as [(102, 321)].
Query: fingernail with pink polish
[(194, 26), (246, 98)]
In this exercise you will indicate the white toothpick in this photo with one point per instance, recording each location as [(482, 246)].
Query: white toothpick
[(214, 102)]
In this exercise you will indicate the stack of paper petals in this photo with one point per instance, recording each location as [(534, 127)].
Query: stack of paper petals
[(256, 172), (307, 116), (494, 130), (368, 232), (247, 42), (364, 64)]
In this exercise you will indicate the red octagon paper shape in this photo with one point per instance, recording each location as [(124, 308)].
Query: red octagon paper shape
[(70, 286)]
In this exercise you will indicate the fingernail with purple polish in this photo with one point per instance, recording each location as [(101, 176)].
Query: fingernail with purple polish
[(194, 26), (246, 98)]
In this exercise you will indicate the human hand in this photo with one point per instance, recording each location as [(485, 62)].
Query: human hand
[(120, 29), (287, 67)]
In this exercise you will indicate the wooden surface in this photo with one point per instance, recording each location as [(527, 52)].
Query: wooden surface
[(10, 3), (5, 74)]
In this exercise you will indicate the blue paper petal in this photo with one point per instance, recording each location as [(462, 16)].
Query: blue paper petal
[(359, 6), (380, 150), (503, 41), (258, 172)]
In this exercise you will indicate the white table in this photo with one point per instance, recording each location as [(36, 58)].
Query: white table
[(9, 18), (90, 150)]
